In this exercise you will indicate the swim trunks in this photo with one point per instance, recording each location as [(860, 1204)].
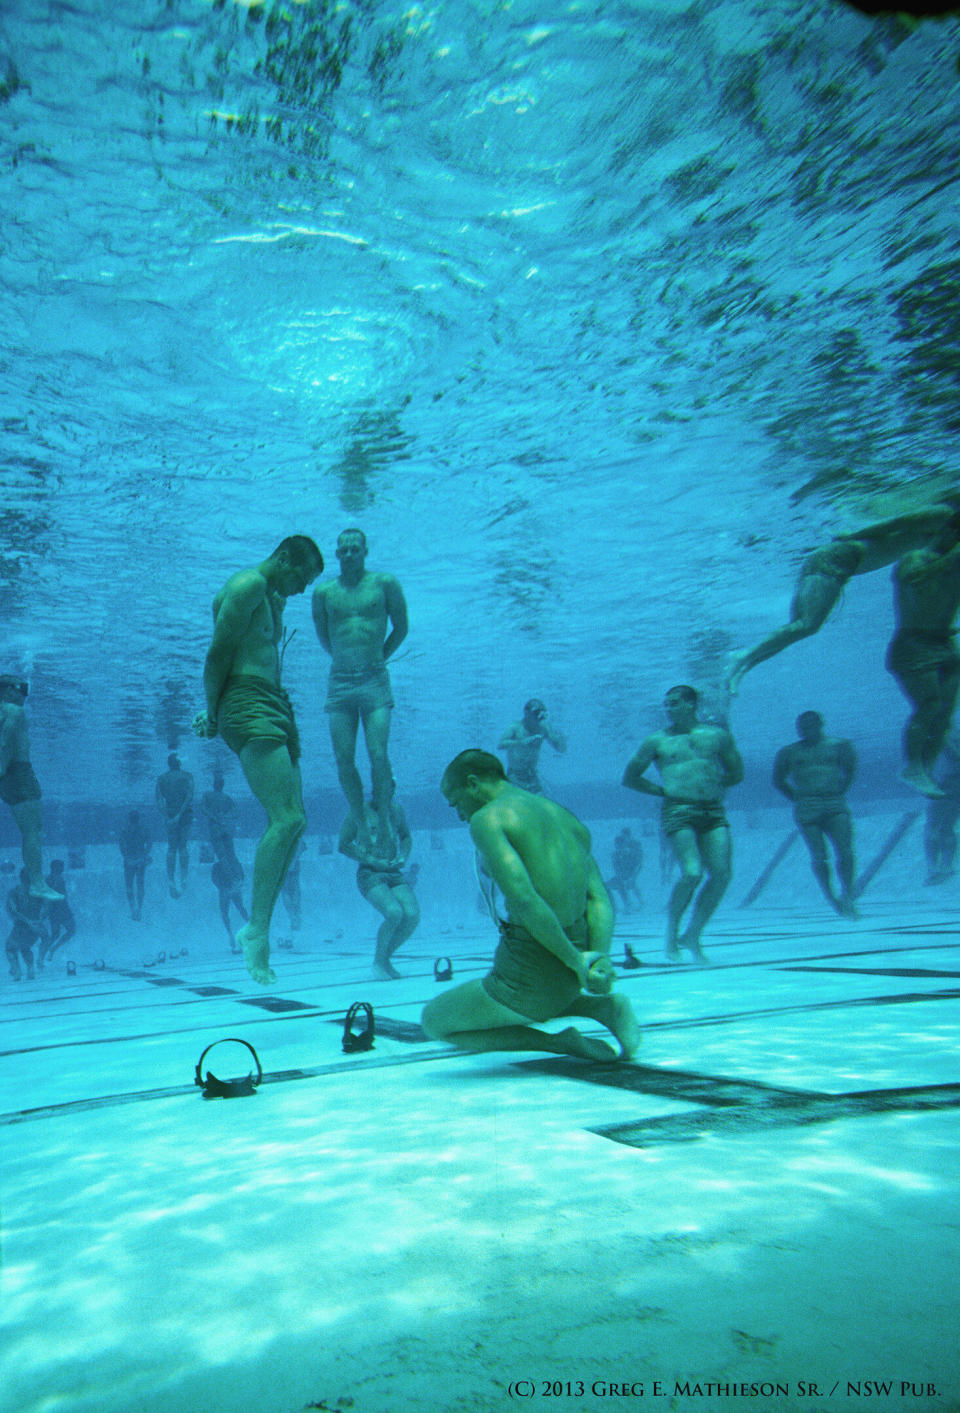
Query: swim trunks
[(911, 654), (838, 560), (528, 978), (253, 709), (19, 783), (699, 815), (368, 878), (363, 689), (531, 783), (819, 809)]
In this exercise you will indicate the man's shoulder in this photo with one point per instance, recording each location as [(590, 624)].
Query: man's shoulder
[(245, 584)]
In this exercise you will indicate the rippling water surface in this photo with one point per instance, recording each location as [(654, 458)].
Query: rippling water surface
[(593, 316)]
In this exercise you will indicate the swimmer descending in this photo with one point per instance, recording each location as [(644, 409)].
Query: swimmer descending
[(922, 655), (553, 957), (697, 763), (826, 572), (247, 706)]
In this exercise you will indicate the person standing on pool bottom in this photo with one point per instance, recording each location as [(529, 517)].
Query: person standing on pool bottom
[(247, 706), (19, 787), (555, 943)]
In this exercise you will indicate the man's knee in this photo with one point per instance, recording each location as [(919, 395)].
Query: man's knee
[(433, 1022)]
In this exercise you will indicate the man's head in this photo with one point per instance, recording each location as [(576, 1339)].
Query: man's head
[(351, 549), (173, 761), (680, 704), (534, 710), (810, 726), (471, 780), (298, 562), (13, 689)]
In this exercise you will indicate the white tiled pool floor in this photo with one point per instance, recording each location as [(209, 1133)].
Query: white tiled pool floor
[(769, 1197)]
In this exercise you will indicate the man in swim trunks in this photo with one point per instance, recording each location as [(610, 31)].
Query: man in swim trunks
[(697, 763), (134, 844), (247, 706), (175, 799), (627, 863), (940, 834), (816, 772), (555, 942), (19, 787), (351, 615), (220, 812), (922, 654), (28, 915), (825, 573), (522, 742), (381, 880)]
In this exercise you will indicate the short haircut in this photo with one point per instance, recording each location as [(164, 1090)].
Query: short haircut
[(9, 683), (301, 548), (474, 762), (353, 530), (688, 693), (173, 759), (810, 716)]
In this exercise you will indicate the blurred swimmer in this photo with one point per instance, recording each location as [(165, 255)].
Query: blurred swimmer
[(697, 763), (940, 834), (922, 654), (815, 773), (61, 923), (555, 942), (351, 615), (522, 742), (175, 800), (134, 844), (247, 706), (28, 914), (826, 572), (19, 787), (381, 881)]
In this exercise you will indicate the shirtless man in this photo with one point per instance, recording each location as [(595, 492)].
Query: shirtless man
[(522, 741), (940, 834), (175, 799), (351, 615), (381, 880), (220, 813), (247, 706), (922, 654), (556, 941), (816, 773), (826, 572), (697, 763), (19, 787)]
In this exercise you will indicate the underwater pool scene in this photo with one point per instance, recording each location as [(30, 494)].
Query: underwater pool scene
[(626, 339)]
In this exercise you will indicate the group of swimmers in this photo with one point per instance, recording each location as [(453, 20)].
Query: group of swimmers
[(553, 957)]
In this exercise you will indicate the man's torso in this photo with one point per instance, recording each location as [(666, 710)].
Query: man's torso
[(356, 621), (691, 763)]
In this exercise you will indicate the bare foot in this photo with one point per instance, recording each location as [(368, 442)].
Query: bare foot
[(573, 1042), (736, 671), (673, 953), (623, 1024), (49, 895), (918, 778), (697, 954), (256, 954), (846, 909), (383, 971)]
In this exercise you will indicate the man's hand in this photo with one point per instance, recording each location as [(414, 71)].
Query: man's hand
[(204, 726), (600, 974)]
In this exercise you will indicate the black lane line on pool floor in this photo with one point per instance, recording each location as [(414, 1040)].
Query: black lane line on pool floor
[(729, 1107)]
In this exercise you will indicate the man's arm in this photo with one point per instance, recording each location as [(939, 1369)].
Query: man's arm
[(731, 760), (8, 732), (510, 737), (231, 625), (781, 772), (556, 738), (397, 612), (600, 915), (320, 619), (524, 903), (847, 761), (633, 776)]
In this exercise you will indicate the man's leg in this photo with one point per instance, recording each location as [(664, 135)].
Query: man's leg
[(684, 845), (839, 829), (380, 896), (717, 853), (813, 837), (376, 730), (467, 1017), (275, 781), (343, 738), (29, 817), (172, 860), (815, 596), (183, 832), (923, 691), (139, 876)]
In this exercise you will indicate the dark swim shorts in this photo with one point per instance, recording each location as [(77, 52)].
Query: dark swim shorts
[(364, 690), (912, 654), (529, 979), (19, 783), (699, 815), (819, 810), (368, 878), (253, 709)]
